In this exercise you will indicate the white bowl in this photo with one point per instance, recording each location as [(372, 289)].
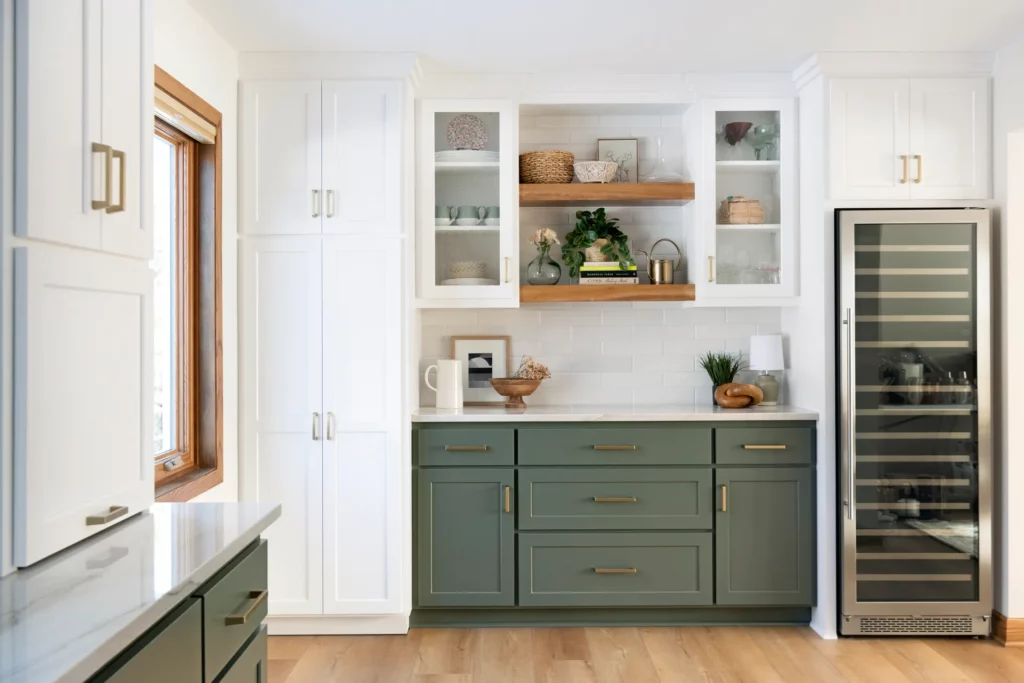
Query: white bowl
[(595, 171), (466, 269)]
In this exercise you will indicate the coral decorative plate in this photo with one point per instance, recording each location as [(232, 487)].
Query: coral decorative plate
[(466, 131)]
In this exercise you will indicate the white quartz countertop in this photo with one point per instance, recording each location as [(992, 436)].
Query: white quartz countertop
[(614, 414), (67, 616)]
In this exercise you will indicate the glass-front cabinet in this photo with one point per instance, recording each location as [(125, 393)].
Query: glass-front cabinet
[(468, 203), (746, 201)]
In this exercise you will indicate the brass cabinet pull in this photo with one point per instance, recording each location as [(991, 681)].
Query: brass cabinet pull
[(598, 447), (920, 170), (627, 499), (602, 570), (508, 499), (460, 449), (725, 499), (506, 269), (330, 203), (108, 168), (110, 515), (711, 268), (764, 447), (258, 598), (316, 426), (122, 159), (330, 426), (906, 161), (316, 203)]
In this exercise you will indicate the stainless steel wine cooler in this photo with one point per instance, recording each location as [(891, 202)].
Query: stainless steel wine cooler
[(915, 401)]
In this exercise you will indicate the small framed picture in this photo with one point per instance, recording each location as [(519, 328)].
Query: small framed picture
[(482, 358), (625, 153)]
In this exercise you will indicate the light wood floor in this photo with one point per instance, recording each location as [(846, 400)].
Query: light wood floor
[(637, 655)]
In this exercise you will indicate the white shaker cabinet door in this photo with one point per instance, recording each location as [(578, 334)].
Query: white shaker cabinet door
[(83, 387), (363, 361), (281, 158), (362, 157), (870, 140), (949, 138), (280, 395), (57, 120)]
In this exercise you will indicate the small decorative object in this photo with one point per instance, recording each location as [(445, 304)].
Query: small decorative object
[(662, 172), (522, 383), (721, 368), (546, 167), (766, 355), (544, 270), (740, 211), (466, 131), (624, 153), (449, 384), (443, 215), (735, 131), (461, 269), (590, 228), (660, 271), (470, 215), (738, 395), (595, 171), (483, 358), (492, 215), (760, 137)]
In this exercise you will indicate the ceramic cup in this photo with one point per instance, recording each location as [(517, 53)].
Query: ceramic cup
[(492, 215), (469, 215), (443, 215)]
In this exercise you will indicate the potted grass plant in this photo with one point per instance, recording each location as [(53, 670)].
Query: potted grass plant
[(721, 368)]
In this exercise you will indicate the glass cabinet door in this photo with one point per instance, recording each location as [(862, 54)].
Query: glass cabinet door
[(469, 200)]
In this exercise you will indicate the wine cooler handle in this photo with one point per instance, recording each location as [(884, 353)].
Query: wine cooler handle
[(851, 398)]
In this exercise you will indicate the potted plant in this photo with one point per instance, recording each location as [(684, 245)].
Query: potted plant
[(599, 236), (523, 383), (721, 368)]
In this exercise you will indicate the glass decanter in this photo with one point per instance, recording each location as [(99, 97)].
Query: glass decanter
[(662, 172)]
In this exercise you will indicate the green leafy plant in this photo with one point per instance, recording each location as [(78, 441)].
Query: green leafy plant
[(721, 367), (590, 227)]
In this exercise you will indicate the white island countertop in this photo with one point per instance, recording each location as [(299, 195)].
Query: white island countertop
[(65, 617), (614, 414)]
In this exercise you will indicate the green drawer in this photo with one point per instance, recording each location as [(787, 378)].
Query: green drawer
[(764, 445), (234, 604), (170, 652), (466, 447), (575, 498), (615, 445), (615, 570), (251, 665)]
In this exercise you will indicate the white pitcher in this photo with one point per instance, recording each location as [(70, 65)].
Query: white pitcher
[(449, 383)]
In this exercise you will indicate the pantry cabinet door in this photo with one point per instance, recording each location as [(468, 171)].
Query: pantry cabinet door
[(362, 475), (281, 158), (870, 138), (280, 404), (949, 138), (362, 158), (83, 388)]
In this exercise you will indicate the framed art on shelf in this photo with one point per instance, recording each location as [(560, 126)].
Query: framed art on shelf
[(624, 152), (483, 358)]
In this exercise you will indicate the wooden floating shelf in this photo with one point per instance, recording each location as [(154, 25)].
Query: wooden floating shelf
[(598, 193), (594, 293)]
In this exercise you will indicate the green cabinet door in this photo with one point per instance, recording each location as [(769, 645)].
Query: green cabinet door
[(764, 536), (465, 537)]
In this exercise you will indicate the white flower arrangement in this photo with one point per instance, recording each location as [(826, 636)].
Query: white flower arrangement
[(544, 238)]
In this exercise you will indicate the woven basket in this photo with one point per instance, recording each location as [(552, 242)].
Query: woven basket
[(549, 166), (740, 211)]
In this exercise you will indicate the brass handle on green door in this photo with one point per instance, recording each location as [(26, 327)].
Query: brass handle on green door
[(599, 447), (459, 449), (602, 570), (258, 598), (508, 499), (627, 499), (725, 499)]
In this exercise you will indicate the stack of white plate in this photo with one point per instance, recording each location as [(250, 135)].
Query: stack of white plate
[(466, 155)]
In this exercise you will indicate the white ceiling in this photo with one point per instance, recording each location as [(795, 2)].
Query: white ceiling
[(625, 36)]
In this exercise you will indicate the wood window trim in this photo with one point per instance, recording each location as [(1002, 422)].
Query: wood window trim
[(208, 435)]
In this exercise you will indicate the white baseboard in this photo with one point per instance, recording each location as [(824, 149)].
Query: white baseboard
[(390, 624)]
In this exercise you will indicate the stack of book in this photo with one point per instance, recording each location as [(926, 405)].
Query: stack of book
[(604, 273)]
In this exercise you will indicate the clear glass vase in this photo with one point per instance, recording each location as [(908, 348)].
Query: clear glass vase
[(543, 270), (662, 172)]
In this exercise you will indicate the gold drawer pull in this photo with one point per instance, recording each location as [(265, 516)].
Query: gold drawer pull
[(764, 447), (258, 598), (113, 513), (600, 570), (725, 499), (508, 501), (459, 449), (615, 448), (628, 499)]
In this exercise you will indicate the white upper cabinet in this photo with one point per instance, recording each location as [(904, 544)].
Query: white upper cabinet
[(83, 134), (898, 138)]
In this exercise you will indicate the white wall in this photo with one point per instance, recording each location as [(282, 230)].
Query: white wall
[(187, 48)]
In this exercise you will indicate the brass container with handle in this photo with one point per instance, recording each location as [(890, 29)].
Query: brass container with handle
[(661, 270)]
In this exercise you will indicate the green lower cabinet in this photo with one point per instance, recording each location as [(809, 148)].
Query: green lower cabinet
[(764, 536), (615, 569), (250, 665), (171, 652), (465, 537)]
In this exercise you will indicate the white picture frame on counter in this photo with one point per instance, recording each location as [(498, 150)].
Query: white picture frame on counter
[(483, 358)]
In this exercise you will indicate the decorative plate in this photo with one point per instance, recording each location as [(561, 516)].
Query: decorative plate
[(466, 131)]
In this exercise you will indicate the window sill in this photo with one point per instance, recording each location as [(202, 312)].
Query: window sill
[(188, 485)]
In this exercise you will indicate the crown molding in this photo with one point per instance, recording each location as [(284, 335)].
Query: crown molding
[(272, 66), (895, 65)]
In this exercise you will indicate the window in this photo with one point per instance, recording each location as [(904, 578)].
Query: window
[(187, 386)]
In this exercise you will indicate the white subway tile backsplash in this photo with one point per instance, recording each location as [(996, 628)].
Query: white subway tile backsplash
[(632, 316), (601, 363), (631, 120), (725, 330), (605, 334), (563, 122)]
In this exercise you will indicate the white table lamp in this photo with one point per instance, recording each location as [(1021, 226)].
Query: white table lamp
[(766, 355)]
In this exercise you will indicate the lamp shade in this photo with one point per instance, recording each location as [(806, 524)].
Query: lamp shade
[(766, 352)]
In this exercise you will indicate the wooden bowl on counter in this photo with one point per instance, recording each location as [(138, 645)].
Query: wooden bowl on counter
[(515, 389)]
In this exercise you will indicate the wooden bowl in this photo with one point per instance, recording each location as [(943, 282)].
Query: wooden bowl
[(515, 389)]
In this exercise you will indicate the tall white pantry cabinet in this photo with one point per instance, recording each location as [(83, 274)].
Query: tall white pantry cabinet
[(83, 287), (321, 319)]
